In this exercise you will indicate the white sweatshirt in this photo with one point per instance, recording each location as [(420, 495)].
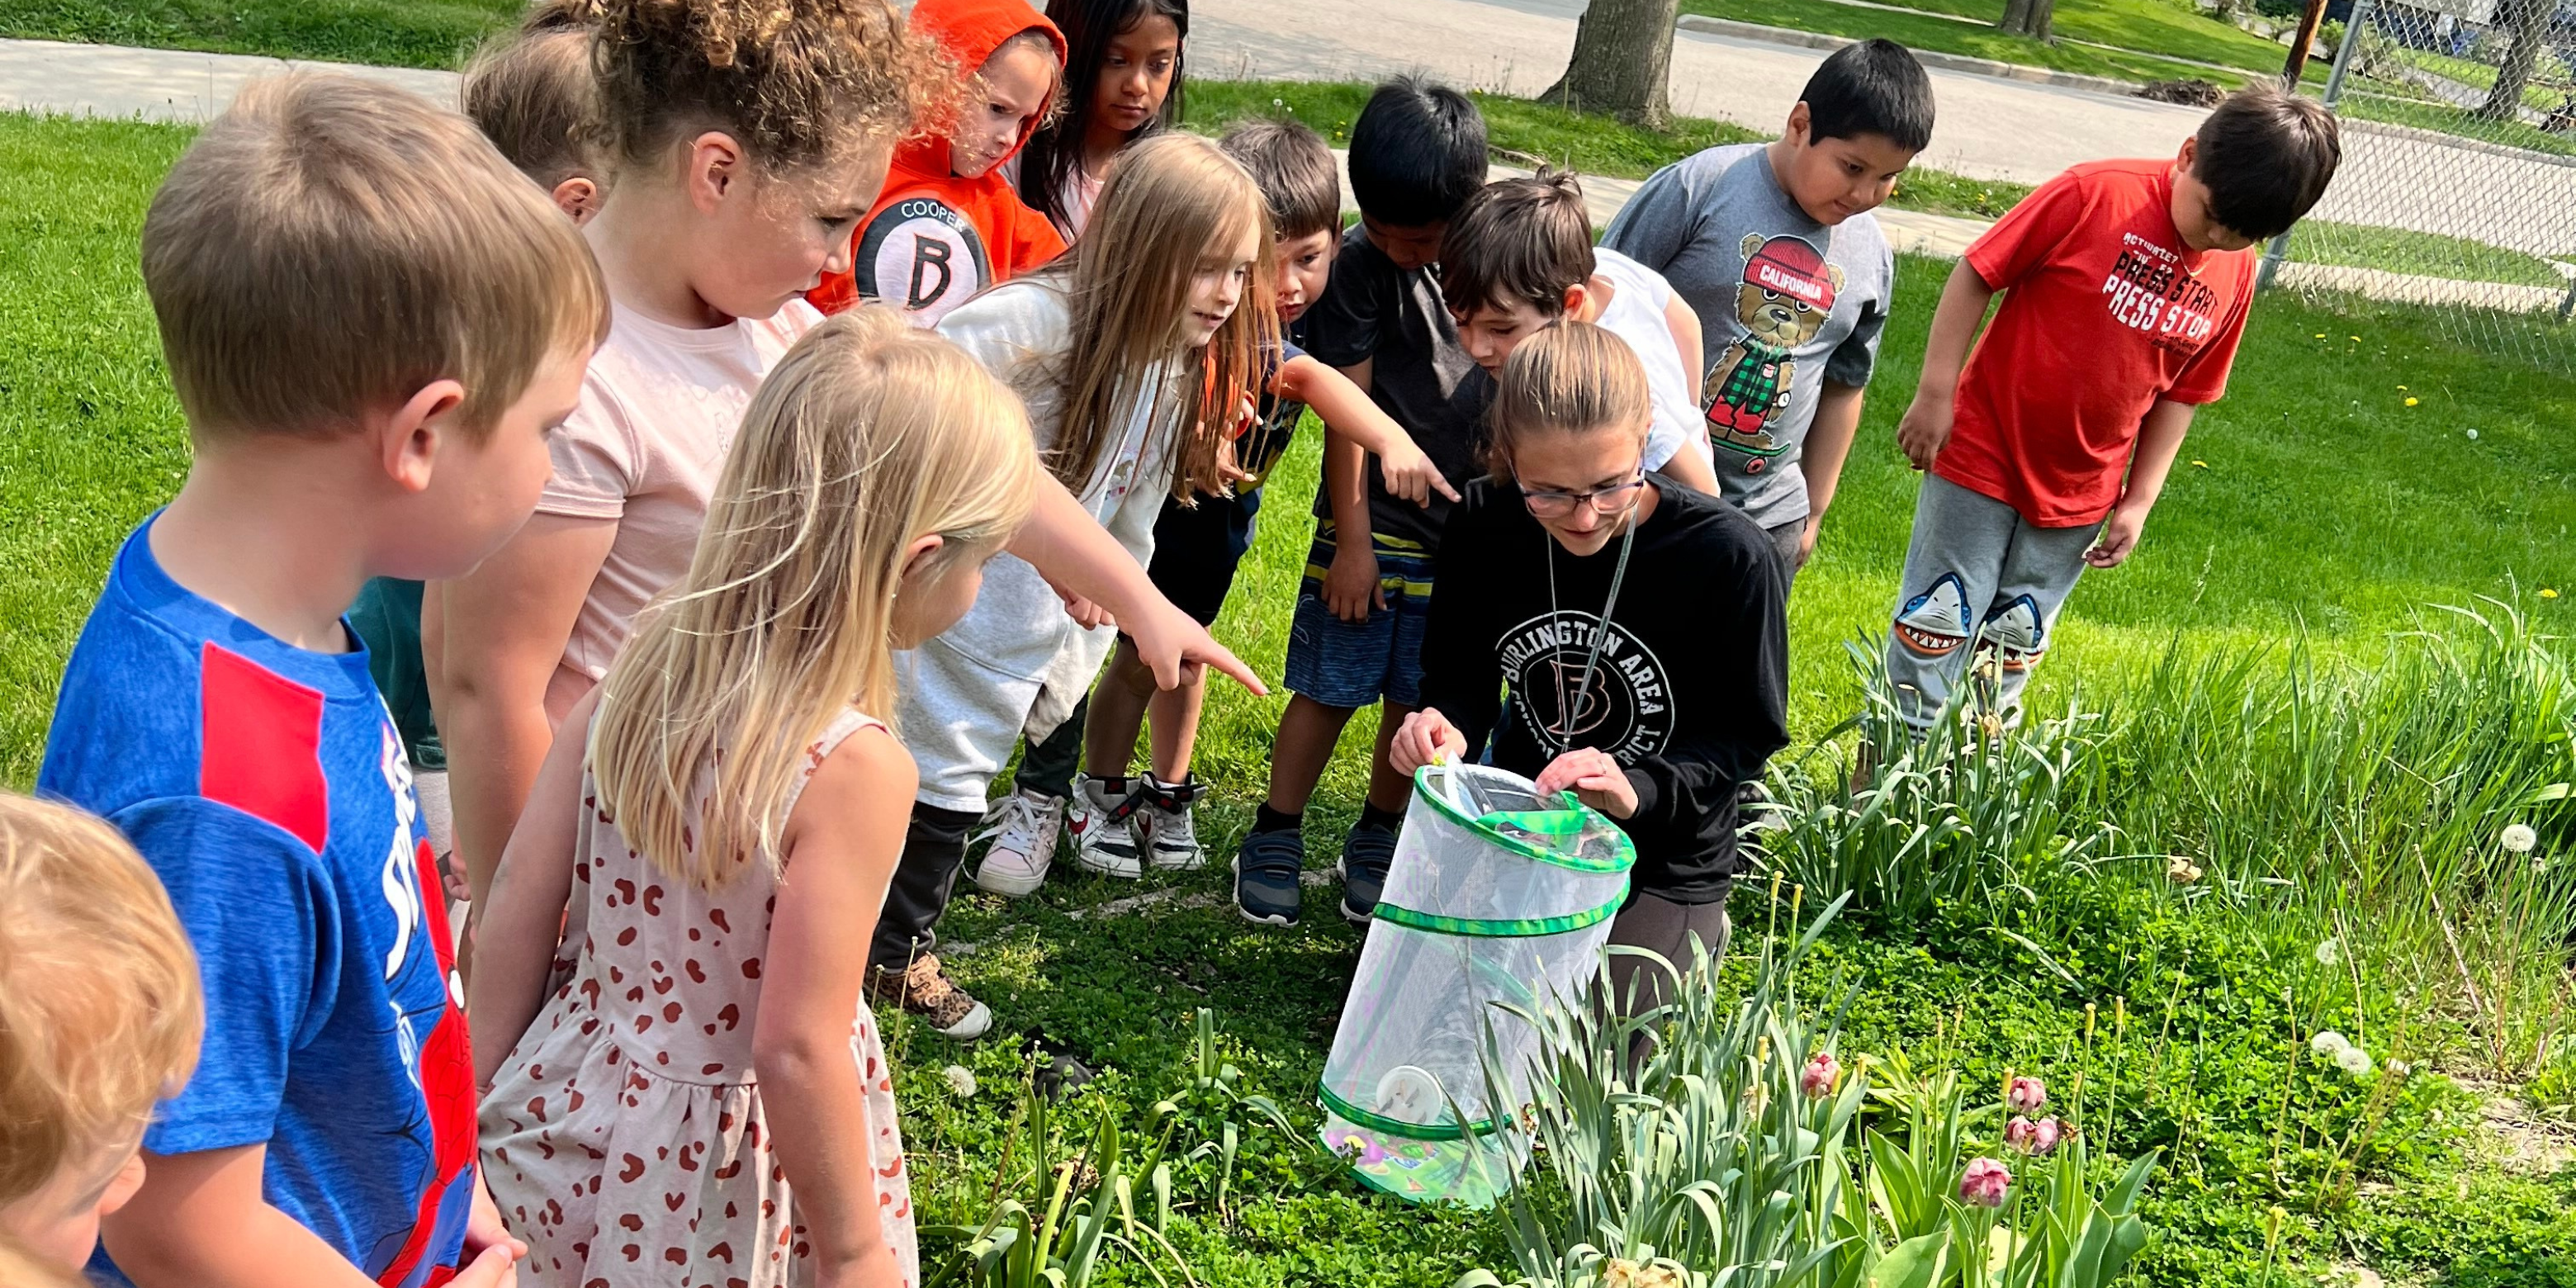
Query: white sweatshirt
[(1016, 662)]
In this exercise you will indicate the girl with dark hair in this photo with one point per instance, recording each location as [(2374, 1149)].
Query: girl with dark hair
[(1122, 82)]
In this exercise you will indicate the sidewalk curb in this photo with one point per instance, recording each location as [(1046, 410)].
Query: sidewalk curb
[(1930, 58)]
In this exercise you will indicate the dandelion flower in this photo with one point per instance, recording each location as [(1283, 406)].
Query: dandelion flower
[(2329, 951), (2401, 389), (2547, 593), (2356, 339), (2410, 400), (2200, 465), (2519, 838), (2473, 436), (2353, 1060), (960, 1080), (2321, 335), (2327, 1042)]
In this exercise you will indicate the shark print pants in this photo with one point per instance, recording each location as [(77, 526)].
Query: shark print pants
[(1979, 601)]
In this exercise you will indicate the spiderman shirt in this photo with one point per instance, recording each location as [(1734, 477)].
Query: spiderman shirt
[(266, 786)]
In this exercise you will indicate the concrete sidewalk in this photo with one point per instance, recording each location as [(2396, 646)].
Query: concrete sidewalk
[(159, 84)]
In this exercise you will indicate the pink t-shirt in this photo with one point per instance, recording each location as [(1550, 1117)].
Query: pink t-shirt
[(658, 412)]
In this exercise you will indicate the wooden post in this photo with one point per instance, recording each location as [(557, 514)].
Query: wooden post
[(2309, 21)]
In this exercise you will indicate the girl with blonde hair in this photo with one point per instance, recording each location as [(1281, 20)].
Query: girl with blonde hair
[(1639, 624), (724, 833), (1137, 353)]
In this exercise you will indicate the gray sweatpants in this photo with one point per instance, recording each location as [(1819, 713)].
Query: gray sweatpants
[(1982, 584), (1785, 540), (1667, 928)]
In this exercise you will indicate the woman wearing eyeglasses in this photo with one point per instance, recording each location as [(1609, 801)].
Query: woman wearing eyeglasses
[(1653, 719)]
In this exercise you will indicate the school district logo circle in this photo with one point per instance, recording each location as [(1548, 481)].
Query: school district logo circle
[(1625, 710), (922, 255)]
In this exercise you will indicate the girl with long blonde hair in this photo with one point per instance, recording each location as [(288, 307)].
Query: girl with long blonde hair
[(730, 819), (1137, 353)]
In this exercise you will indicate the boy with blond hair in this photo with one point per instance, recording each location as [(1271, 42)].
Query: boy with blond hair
[(99, 1016), (532, 93), (372, 323)]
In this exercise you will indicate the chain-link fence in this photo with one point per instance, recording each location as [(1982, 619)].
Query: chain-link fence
[(2458, 186)]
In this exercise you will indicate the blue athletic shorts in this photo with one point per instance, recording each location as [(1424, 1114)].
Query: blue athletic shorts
[(1358, 664)]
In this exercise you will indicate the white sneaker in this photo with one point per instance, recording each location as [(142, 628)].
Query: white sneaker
[(1104, 827), (1172, 841), (1023, 828)]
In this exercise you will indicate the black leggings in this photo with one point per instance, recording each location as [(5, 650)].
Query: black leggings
[(934, 851), (934, 848)]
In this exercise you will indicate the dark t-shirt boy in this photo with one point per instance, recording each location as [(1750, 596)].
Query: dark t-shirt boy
[(1392, 318)]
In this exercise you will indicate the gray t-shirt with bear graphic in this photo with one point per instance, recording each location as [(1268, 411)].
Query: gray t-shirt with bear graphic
[(1785, 304)]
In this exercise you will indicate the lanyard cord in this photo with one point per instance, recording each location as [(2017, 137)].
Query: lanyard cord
[(1600, 635)]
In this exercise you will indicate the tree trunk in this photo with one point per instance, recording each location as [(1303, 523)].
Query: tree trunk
[(2530, 34), (2028, 17), (1623, 60), (2303, 41)]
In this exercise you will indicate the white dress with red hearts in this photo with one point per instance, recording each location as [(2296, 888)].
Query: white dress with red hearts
[(624, 1140)]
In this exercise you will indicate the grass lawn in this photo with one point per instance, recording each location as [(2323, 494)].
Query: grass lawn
[(1604, 146), (406, 33), (2381, 105), (2549, 83), (2315, 503), (2423, 254), (2147, 36), (2173, 28)]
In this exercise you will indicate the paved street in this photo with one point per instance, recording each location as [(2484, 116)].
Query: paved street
[(1989, 128)]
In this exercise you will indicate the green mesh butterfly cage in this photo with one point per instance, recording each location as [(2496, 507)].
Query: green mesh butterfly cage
[(1495, 897)]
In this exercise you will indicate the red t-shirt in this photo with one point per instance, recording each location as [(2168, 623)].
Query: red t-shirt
[(2105, 313)]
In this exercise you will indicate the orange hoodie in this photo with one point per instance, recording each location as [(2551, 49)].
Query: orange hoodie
[(933, 239)]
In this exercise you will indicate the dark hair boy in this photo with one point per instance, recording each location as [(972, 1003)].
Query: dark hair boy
[(2125, 286), (1774, 246), (1417, 153)]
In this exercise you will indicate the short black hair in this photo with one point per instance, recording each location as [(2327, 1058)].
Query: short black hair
[(2266, 156), (1294, 168), (1522, 240), (1873, 87), (1417, 153)]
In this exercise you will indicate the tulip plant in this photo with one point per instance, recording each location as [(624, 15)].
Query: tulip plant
[(1706, 1143)]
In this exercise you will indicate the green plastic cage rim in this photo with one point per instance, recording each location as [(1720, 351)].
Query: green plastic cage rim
[(1359, 1117), (1499, 928), (1547, 822)]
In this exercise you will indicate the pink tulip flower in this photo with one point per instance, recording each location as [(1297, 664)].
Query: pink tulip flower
[(1984, 1183), (2025, 1095), (1818, 1078)]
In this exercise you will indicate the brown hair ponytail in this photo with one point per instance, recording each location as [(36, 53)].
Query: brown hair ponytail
[(1571, 378)]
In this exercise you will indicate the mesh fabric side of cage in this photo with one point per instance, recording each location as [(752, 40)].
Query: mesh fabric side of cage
[(1495, 899)]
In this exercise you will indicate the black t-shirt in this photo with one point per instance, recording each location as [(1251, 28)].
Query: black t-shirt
[(1394, 319), (1689, 694)]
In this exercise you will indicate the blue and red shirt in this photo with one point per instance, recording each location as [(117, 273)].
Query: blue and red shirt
[(267, 786)]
